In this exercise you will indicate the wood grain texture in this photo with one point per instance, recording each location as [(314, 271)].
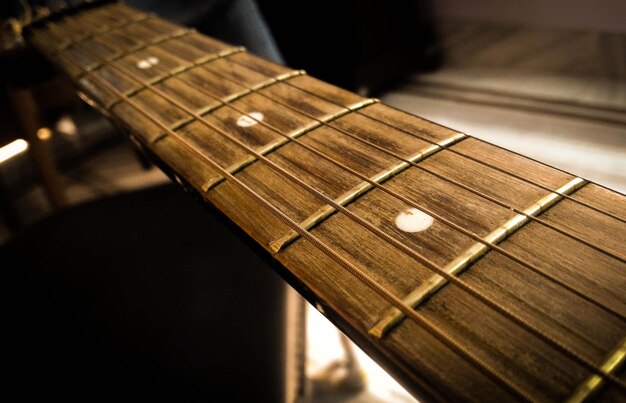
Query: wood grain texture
[(198, 94)]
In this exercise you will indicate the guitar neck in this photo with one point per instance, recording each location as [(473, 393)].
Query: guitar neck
[(468, 271)]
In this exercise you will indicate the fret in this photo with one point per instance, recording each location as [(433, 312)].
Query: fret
[(589, 225), (61, 33), (72, 30), (110, 47), (314, 105), (434, 283), (592, 385), (536, 367), (207, 91), (152, 64), (496, 156), (394, 271), (187, 165), (99, 23), (142, 34), (363, 187), (256, 64), (99, 42), (571, 319), (224, 90), (148, 131), (96, 44), (207, 45), (174, 116), (130, 86), (265, 139), (245, 76), (603, 198), (196, 68), (183, 93), (127, 39), (151, 30), (99, 93), (316, 269), (394, 276), (115, 12), (578, 324), (253, 103), (103, 18), (66, 31), (439, 243), (226, 117), (601, 276), (181, 48)]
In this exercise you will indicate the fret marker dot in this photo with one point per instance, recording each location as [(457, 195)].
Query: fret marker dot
[(250, 119), (148, 62), (413, 220)]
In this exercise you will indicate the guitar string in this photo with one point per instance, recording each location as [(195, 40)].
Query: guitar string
[(335, 127), (375, 230), (512, 256), (495, 167), (460, 283), (479, 161), (350, 267), (569, 197), (472, 158), (537, 161)]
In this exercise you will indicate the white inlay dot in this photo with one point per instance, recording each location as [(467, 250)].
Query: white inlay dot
[(148, 62), (250, 119), (413, 220)]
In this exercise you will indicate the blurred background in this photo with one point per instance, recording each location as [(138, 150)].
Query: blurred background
[(545, 78)]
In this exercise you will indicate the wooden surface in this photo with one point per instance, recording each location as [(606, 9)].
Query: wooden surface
[(199, 89)]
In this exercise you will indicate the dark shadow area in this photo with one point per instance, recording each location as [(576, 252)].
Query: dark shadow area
[(140, 296), (365, 46)]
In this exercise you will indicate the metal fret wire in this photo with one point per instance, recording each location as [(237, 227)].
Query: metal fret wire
[(125, 51), (553, 227), (573, 199), (333, 126), (532, 159), (92, 34), (354, 270), (460, 283), (510, 255), (472, 158)]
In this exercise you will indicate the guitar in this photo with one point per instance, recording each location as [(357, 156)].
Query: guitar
[(466, 270)]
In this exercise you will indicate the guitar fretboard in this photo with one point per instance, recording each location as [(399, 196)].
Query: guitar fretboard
[(467, 270)]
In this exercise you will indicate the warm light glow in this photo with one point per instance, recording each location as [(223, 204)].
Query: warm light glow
[(66, 125), (323, 348), (12, 149), (44, 134)]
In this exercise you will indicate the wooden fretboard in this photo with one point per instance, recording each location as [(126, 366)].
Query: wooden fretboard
[(514, 285)]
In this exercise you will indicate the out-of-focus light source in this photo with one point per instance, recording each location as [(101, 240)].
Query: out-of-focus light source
[(66, 125), (44, 134), (12, 149)]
